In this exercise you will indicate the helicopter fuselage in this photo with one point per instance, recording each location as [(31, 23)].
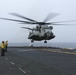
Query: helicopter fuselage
[(41, 33)]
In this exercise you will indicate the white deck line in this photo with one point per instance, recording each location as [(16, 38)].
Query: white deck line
[(22, 70)]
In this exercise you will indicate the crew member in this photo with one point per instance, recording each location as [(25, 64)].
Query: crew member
[(2, 47), (6, 45)]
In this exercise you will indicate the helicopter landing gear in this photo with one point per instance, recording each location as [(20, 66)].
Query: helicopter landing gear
[(32, 41), (45, 41)]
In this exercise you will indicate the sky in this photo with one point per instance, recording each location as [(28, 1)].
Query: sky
[(37, 10)]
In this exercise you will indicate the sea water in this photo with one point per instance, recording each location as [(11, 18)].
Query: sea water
[(48, 44)]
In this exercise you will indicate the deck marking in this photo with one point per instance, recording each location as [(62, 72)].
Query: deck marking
[(22, 70), (62, 52), (6, 58), (25, 50), (12, 63)]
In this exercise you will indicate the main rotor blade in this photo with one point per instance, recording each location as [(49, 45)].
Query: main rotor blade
[(50, 16), (26, 22), (15, 14), (64, 21), (61, 24)]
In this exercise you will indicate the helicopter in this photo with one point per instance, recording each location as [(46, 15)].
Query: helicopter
[(43, 30)]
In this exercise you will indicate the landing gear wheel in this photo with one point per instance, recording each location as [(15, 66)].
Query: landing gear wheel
[(45, 41), (32, 40)]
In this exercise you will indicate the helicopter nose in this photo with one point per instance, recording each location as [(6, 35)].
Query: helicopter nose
[(53, 36)]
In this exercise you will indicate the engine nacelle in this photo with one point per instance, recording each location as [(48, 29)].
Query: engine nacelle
[(51, 27)]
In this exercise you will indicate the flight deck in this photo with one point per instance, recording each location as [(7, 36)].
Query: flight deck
[(38, 61)]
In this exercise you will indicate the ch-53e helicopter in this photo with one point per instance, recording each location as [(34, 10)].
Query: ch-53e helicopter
[(43, 30)]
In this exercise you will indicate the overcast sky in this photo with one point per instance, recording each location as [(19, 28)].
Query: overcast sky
[(37, 10)]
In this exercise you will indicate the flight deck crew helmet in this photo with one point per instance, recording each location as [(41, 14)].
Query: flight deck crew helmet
[(2, 41)]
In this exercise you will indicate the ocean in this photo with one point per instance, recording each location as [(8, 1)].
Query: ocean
[(48, 44)]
